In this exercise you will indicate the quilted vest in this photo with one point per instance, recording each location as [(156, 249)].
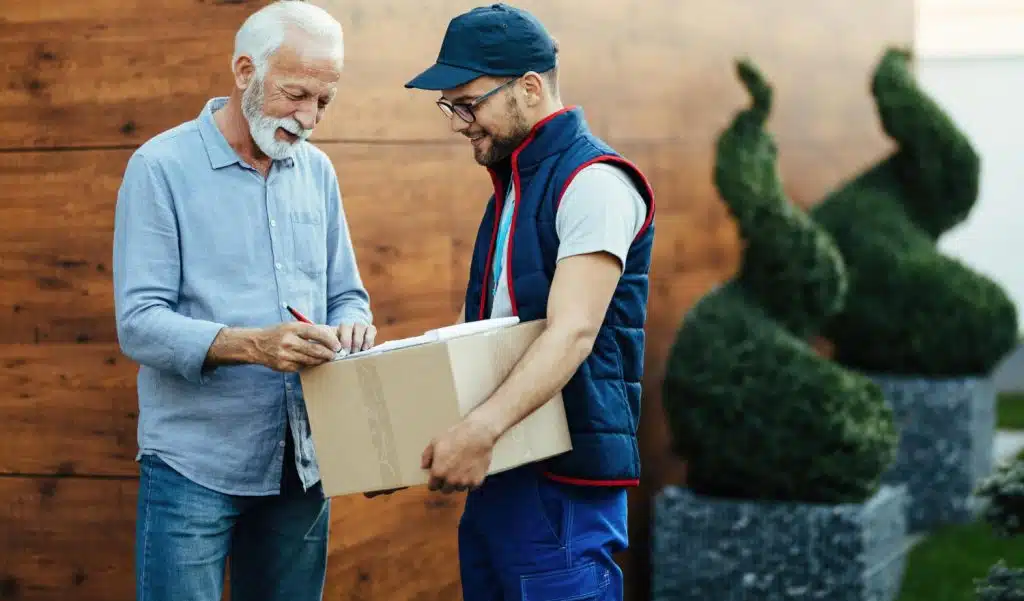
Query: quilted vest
[(602, 399)]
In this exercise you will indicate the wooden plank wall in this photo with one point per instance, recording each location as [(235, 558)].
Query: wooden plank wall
[(84, 83)]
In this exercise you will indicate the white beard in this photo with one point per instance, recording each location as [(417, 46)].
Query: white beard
[(263, 128)]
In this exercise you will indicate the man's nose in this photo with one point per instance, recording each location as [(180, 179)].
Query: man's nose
[(306, 115), (459, 125)]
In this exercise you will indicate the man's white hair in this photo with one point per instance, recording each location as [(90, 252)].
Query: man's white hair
[(264, 31)]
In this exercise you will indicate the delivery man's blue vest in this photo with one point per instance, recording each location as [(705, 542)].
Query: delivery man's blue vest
[(602, 400)]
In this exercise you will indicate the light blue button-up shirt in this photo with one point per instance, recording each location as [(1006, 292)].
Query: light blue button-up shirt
[(203, 241)]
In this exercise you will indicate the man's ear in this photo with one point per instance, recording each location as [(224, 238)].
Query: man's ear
[(533, 88), (243, 70)]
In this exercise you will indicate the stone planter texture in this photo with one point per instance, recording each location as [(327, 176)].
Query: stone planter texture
[(947, 433), (711, 549)]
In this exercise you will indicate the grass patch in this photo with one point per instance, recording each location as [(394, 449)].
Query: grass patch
[(1011, 411), (943, 567)]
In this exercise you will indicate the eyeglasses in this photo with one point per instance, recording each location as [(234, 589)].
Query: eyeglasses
[(465, 109)]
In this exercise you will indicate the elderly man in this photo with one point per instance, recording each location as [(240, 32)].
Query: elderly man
[(224, 226), (567, 236)]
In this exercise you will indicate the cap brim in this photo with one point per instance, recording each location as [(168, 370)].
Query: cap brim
[(443, 77)]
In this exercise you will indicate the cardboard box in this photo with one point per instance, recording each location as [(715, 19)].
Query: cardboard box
[(373, 413)]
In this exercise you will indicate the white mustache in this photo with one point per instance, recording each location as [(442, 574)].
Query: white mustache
[(293, 127)]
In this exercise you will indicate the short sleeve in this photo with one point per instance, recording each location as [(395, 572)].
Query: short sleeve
[(601, 210)]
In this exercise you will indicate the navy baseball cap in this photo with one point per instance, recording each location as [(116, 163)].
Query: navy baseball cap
[(497, 40)]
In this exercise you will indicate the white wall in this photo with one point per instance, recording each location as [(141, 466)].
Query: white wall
[(970, 57), (968, 28), (986, 98)]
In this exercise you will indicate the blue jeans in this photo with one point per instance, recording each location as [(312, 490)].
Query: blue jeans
[(185, 532), (523, 537)]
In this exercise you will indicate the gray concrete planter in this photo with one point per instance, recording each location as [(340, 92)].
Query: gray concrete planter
[(947, 433), (732, 550)]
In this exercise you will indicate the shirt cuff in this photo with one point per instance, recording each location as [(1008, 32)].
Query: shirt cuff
[(194, 343), (350, 316)]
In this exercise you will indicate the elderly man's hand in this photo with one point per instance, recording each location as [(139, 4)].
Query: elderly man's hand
[(356, 337), (288, 346)]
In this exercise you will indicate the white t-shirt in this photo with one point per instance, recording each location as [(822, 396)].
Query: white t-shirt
[(601, 210)]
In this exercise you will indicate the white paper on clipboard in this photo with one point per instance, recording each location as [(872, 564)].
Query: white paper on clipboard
[(472, 327), (436, 335)]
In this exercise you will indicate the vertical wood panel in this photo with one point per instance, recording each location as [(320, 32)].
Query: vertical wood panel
[(85, 83)]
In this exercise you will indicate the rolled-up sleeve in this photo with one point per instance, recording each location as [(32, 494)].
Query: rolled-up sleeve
[(147, 273), (347, 298)]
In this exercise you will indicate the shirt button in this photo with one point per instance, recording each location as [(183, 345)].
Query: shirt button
[(284, 305), (278, 266), (280, 444), (272, 223)]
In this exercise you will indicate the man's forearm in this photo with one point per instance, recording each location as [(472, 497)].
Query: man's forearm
[(544, 369), (232, 346), (160, 338)]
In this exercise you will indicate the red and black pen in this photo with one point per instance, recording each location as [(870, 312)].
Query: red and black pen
[(298, 315)]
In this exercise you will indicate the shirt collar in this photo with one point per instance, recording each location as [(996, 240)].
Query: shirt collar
[(220, 153)]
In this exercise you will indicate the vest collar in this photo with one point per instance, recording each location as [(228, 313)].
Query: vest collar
[(551, 135)]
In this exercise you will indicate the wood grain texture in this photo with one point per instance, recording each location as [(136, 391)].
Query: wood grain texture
[(56, 230), (67, 409), (67, 538), (58, 287), (73, 538), (107, 72), (659, 69), (107, 77), (402, 547)]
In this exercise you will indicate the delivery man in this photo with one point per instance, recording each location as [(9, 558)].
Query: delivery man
[(566, 237)]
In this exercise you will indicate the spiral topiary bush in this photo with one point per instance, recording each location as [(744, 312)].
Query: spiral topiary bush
[(910, 310), (754, 410)]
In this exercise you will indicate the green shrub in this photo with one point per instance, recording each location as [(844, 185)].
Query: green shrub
[(911, 310), (754, 411), (1003, 494), (1001, 584)]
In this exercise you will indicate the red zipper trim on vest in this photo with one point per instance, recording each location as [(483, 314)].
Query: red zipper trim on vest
[(515, 211), (499, 200), (512, 227)]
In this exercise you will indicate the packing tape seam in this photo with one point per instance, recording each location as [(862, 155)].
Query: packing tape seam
[(379, 419)]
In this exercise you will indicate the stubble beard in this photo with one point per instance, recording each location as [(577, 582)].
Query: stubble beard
[(501, 147)]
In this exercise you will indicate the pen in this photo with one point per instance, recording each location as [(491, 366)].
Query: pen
[(340, 353), (297, 315)]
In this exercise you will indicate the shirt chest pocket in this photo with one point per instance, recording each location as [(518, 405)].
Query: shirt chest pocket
[(309, 242)]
